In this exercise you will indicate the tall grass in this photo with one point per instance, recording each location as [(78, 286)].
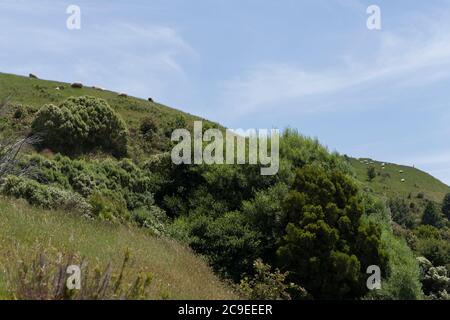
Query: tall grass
[(26, 232)]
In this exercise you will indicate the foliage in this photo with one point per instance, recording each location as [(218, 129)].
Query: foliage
[(446, 206), (268, 285), (401, 213), (43, 280), (113, 188), (436, 280), (326, 247), (432, 216), (228, 241), (81, 124), (433, 244), (45, 196), (371, 173), (400, 277)]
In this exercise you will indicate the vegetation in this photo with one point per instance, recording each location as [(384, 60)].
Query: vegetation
[(103, 168), (28, 233), (80, 124), (432, 216)]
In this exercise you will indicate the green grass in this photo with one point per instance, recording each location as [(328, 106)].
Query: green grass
[(29, 95), (178, 273), (388, 182)]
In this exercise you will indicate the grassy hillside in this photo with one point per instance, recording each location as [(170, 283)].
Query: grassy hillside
[(388, 181), (28, 95), (228, 214), (178, 273)]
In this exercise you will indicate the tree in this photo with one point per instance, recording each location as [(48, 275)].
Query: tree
[(446, 206), (401, 212), (327, 247), (81, 124), (371, 173), (432, 216)]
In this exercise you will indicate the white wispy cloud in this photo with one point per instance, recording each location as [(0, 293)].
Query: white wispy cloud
[(417, 56), (134, 57)]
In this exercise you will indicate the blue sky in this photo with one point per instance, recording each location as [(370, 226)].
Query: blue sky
[(311, 65)]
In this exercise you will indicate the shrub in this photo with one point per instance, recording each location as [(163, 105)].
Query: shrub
[(148, 126), (81, 124), (446, 206), (268, 285), (371, 173), (436, 280), (401, 213), (44, 196), (108, 207), (228, 241), (400, 277), (327, 248), (432, 216), (154, 219)]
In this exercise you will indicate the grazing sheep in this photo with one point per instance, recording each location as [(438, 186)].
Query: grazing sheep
[(33, 76), (57, 88), (400, 171), (383, 164), (77, 85), (403, 180), (124, 95)]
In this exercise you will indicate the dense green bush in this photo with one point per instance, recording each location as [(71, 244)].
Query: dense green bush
[(436, 280), (371, 173), (433, 244), (81, 124), (432, 216), (228, 242), (401, 212), (400, 277), (268, 285), (327, 248), (113, 188), (45, 196)]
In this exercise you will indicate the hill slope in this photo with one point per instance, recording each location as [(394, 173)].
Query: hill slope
[(29, 94), (388, 181), (178, 274)]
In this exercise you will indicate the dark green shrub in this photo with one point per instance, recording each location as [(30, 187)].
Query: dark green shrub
[(81, 124), (432, 216), (401, 213), (327, 248), (148, 126), (371, 173)]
